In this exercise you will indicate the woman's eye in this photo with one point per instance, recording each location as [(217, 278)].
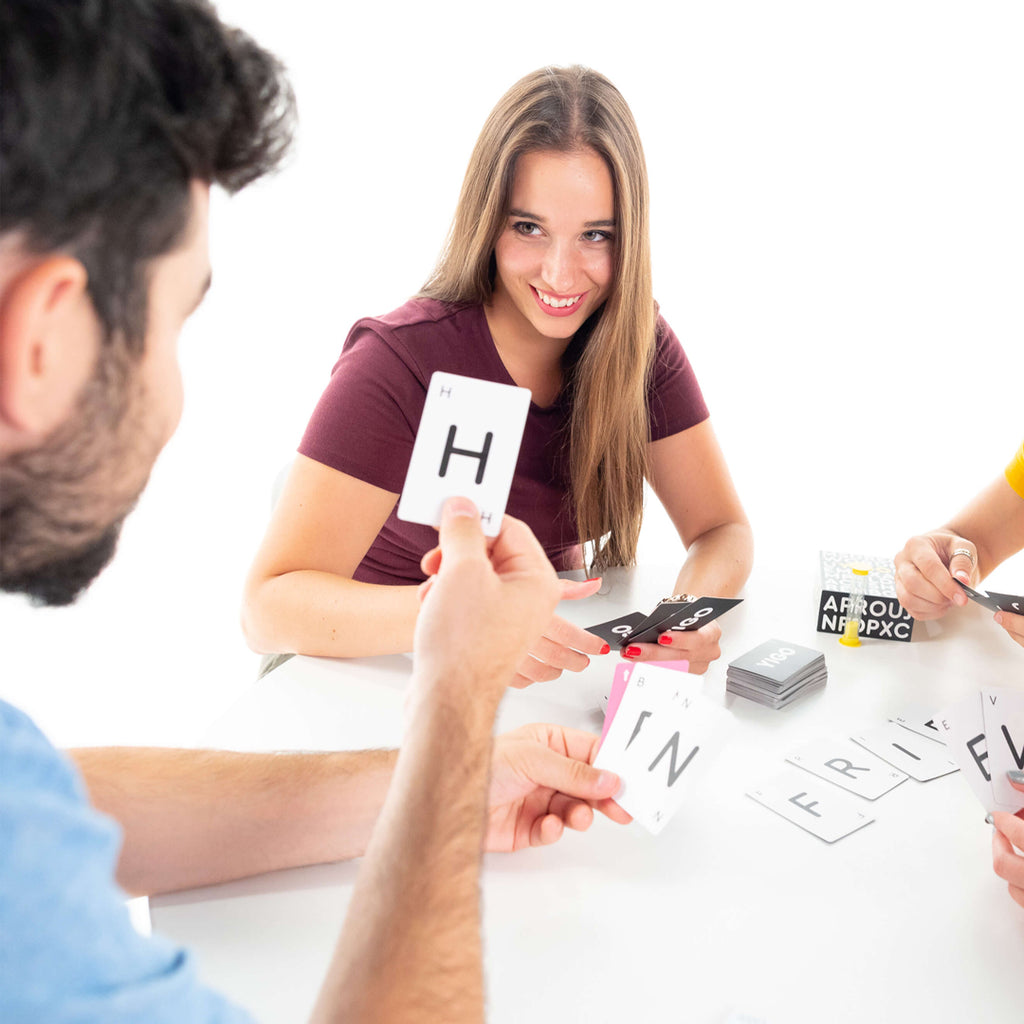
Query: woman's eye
[(596, 236), (526, 227)]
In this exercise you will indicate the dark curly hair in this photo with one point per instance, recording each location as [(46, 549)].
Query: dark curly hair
[(108, 108)]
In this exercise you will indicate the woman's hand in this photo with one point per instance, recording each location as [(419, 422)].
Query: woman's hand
[(699, 647)]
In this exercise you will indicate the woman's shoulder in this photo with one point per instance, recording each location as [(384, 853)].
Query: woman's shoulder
[(419, 313)]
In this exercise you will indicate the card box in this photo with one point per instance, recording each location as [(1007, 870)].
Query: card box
[(884, 617)]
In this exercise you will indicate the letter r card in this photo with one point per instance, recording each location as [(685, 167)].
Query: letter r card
[(467, 445)]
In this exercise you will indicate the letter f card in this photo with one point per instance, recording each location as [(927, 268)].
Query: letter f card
[(467, 445)]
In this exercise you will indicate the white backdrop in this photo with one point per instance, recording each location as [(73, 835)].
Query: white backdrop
[(838, 240)]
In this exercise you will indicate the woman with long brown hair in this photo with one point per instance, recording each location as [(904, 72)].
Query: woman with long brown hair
[(545, 282)]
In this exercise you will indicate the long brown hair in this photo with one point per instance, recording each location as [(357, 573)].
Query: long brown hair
[(563, 110)]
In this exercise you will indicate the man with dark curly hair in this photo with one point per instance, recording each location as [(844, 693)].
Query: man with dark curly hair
[(117, 117)]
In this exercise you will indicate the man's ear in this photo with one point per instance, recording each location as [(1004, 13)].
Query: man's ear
[(49, 342)]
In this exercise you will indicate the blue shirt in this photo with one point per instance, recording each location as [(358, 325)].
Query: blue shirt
[(68, 951)]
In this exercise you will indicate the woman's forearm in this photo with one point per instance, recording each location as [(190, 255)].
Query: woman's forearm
[(318, 613), (718, 562)]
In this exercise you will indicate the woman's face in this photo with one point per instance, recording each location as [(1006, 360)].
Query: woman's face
[(555, 256)]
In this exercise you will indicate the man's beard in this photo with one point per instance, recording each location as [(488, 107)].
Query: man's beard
[(63, 503)]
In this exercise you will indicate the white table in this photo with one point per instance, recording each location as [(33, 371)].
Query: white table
[(731, 908)]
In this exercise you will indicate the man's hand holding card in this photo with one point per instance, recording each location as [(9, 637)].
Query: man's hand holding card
[(467, 445), (663, 734)]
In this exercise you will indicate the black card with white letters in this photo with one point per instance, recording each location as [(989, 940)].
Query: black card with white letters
[(1008, 602), (980, 596), (681, 616)]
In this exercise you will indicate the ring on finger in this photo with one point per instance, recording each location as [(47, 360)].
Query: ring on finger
[(966, 552)]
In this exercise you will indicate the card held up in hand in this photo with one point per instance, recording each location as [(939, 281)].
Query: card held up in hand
[(467, 445), (663, 736)]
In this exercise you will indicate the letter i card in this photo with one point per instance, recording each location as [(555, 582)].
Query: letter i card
[(467, 445)]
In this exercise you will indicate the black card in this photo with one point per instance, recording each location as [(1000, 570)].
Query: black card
[(1008, 602), (681, 616), (980, 596), (615, 630)]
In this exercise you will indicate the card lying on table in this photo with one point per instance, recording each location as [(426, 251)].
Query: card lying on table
[(921, 758), (812, 805), (776, 672), (467, 445), (849, 766), (663, 735)]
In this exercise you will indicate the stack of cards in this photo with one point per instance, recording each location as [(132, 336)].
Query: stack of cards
[(660, 735), (776, 673)]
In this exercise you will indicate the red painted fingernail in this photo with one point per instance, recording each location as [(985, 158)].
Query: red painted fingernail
[(665, 640), (632, 652), (591, 579), (605, 649)]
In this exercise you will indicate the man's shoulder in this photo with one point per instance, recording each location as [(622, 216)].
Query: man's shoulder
[(30, 766)]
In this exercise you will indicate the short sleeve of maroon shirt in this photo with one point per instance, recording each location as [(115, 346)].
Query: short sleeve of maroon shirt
[(365, 423)]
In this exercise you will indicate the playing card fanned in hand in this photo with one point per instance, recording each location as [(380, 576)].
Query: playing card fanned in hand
[(664, 734), (467, 445), (682, 615)]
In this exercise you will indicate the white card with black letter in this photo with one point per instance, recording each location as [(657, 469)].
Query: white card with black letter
[(663, 737), (467, 445), (963, 727), (814, 806), (921, 758), (844, 764), (1003, 711)]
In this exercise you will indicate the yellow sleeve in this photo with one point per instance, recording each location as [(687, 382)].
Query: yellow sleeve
[(1015, 472)]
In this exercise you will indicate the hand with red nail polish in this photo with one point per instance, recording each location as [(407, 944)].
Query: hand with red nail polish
[(699, 647)]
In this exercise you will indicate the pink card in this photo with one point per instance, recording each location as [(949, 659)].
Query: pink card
[(622, 673)]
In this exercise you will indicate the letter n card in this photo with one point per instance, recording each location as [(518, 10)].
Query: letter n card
[(663, 736), (467, 445)]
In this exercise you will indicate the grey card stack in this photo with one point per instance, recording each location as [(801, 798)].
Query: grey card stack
[(776, 672)]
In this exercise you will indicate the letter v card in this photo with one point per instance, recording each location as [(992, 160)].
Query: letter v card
[(663, 736), (467, 445), (1003, 711)]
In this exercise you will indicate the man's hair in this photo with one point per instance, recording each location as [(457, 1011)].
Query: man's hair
[(108, 109)]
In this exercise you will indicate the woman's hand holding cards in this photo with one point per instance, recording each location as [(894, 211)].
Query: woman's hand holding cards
[(925, 571), (699, 647)]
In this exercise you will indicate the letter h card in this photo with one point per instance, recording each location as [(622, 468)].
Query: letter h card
[(467, 445)]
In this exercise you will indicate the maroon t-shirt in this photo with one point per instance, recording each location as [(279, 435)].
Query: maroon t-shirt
[(365, 423)]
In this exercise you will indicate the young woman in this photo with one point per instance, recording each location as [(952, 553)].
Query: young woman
[(545, 282)]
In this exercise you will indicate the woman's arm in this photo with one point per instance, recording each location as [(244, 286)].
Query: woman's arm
[(300, 596), (991, 528), (690, 477)]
